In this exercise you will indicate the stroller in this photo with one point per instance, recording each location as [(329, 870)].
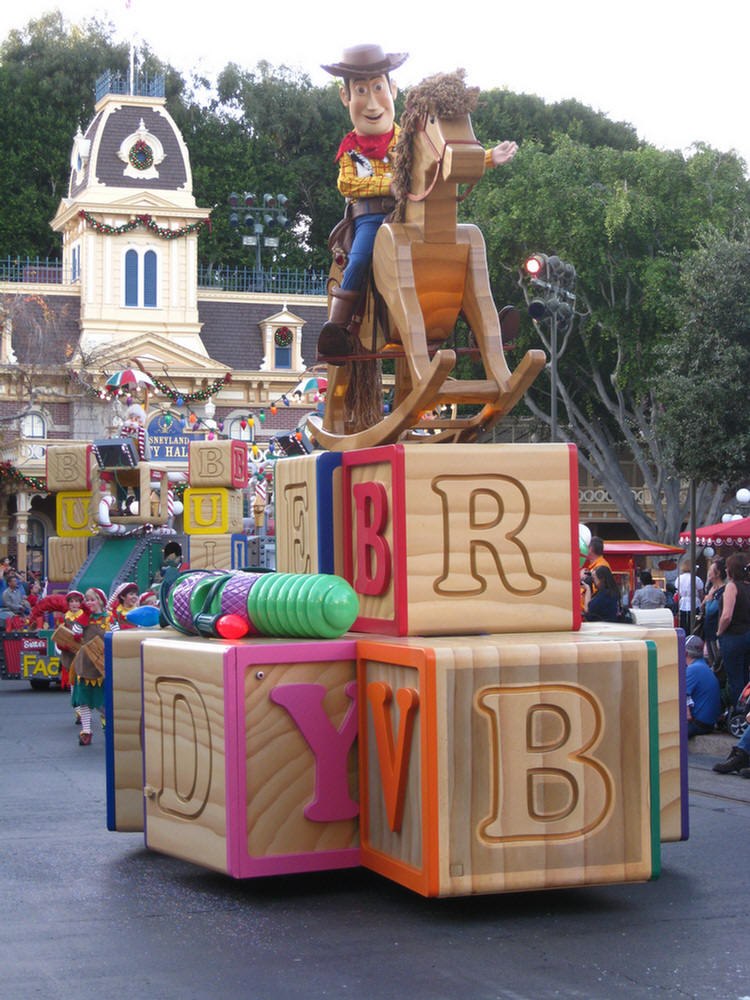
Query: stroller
[(735, 716)]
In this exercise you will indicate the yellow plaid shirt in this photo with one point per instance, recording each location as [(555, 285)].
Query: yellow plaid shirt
[(377, 185)]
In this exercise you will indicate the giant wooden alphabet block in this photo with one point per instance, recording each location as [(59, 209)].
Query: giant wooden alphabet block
[(210, 551), (307, 497), (75, 514), (124, 744), (66, 556), (461, 540), (250, 766), (212, 511), (498, 764), (68, 467), (218, 463)]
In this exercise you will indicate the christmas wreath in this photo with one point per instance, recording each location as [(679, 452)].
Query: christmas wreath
[(141, 155), (283, 337)]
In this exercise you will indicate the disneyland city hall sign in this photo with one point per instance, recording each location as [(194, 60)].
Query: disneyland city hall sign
[(169, 440)]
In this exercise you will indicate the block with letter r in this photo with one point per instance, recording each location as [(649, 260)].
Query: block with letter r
[(462, 540)]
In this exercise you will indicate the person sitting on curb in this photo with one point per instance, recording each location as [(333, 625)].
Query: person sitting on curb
[(739, 757), (704, 696)]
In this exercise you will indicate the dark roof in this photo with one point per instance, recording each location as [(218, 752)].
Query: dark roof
[(232, 330), (116, 125)]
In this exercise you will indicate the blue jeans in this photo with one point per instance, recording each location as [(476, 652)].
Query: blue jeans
[(744, 743), (734, 652), (365, 230)]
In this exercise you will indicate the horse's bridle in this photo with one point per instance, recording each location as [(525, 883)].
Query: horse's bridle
[(440, 156)]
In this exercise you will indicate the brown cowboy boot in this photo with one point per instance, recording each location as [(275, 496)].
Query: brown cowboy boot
[(334, 341)]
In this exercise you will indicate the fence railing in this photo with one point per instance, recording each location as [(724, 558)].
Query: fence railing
[(279, 281), (35, 270)]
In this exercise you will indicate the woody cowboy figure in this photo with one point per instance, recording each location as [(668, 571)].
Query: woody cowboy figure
[(365, 159)]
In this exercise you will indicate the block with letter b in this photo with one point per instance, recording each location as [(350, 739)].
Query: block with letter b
[(462, 540), (496, 764), (68, 467), (218, 463)]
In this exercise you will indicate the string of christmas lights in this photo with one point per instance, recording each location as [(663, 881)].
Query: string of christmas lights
[(182, 398), (143, 220), (14, 475)]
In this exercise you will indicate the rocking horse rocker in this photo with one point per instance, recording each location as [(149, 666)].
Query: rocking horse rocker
[(427, 270)]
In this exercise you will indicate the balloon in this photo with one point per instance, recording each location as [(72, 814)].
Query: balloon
[(146, 616)]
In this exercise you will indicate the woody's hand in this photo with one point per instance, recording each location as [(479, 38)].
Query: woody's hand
[(503, 153)]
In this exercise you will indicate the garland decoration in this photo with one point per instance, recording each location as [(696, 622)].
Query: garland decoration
[(9, 473), (191, 397), (143, 220), (90, 390), (140, 155), (283, 337)]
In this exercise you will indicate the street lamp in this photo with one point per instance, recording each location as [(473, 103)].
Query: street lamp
[(556, 282), (270, 213)]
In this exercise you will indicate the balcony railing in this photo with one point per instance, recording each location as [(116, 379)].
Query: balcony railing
[(279, 281), (35, 270), (112, 82)]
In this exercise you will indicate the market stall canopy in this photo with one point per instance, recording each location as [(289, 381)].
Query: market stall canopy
[(640, 547), (736, 533)]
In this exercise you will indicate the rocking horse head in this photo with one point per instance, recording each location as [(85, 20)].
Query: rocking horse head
[(437, 145)]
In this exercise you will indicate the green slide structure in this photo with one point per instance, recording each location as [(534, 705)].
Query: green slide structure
[(107, 562)]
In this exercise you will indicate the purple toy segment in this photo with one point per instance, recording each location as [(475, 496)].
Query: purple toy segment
[(234, 597), (180, 599)]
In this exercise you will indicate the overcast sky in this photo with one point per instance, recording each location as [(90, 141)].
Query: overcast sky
[(675, 71)]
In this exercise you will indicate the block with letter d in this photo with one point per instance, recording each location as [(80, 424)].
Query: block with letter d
[(497, 763), (250, 756), (462, 540)]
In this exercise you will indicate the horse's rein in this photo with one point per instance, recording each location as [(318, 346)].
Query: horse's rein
[(440, 156)]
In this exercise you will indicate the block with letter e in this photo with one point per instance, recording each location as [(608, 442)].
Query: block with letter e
[(462, 540), (250, 756), (307, 498), (497, 764)]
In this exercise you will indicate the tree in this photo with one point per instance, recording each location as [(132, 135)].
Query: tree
[(625, 219), (704, 408)]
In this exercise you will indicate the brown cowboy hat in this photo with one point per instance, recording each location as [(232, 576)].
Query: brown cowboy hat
[(366, 61)]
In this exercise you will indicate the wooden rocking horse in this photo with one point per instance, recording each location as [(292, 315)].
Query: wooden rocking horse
[(428, 271)]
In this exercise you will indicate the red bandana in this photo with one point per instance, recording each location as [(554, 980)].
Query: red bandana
[(374, 147)]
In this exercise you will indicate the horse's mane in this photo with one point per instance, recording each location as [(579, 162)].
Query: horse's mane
[(445, 95)]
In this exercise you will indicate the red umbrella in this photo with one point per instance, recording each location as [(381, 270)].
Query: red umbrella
[(736, 533)]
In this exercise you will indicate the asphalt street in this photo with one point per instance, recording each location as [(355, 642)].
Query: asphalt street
[(88, 913)]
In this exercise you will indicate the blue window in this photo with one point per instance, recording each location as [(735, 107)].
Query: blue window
[(131, 278), (149, 279), (283, 357), (141, 278)]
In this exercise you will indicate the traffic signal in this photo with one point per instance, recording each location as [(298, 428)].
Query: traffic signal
[(234, 220), (249, 222), (564, 317), (537, 309), (536, 266), (269, 201), (234, 199), (249, 199)]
